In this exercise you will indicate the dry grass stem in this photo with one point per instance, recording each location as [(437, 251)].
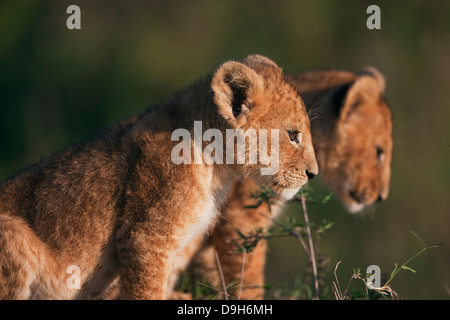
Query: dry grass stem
[(219, 267), (312, 255), (241, 281)]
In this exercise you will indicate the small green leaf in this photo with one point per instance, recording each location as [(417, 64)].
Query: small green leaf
[(408, 268), (327, 198), (240, 234), (393, 271), (328, 224)]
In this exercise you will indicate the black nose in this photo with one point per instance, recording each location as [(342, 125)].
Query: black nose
[(310, 175), (357, 197), (379, 199)]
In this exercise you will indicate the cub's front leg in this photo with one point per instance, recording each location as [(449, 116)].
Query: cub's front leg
[(152, 230), (144, 254), (147, 248)]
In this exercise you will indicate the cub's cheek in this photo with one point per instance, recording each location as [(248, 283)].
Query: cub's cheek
[(288, 194)]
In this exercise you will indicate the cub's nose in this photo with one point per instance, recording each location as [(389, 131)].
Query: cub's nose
[(310, 175), (311, 167), (358, 197)]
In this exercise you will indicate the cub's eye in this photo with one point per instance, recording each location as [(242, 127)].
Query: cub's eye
[(294, 136), (380, 154)]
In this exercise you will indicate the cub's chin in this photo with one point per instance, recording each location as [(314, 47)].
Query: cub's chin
[(353, 207), (285, 190), (288, 191), (288, 194)]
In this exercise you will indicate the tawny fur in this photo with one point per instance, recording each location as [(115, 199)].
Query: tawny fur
[(118, 207), (351, 126)]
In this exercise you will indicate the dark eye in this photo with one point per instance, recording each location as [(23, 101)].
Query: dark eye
[(294, 136), (380, 154)]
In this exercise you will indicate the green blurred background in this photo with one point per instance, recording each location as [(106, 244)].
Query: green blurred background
[(59, 86)]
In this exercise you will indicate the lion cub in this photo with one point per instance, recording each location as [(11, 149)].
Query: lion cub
[(117, 206), (352, 137)]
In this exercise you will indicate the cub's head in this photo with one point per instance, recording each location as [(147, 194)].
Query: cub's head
[(254, 99), (357, 164)]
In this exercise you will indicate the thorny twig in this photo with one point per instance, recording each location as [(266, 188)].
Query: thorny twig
[(292, 232), (312, 255), (308, 249)]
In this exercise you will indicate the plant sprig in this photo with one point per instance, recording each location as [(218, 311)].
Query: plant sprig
[(405, 266), (385, 290)]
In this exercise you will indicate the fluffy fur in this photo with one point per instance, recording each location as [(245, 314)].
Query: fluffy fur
[(118, 207)]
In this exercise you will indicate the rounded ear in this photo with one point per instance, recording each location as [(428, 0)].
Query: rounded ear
[(368, 86), (378, 76), (236, 87), (258, 60)]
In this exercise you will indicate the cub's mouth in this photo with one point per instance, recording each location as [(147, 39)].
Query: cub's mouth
[(284, 187), (353, 201)]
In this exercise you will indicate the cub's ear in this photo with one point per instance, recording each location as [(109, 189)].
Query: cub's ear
[(377, 75), (236, 89), (369, 86), (254, 61)]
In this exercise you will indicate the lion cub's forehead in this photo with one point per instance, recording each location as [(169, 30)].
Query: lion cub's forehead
[(283, 98), (290, 102), (371, 124), (281, 92), (287, 106), (375, 113)]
